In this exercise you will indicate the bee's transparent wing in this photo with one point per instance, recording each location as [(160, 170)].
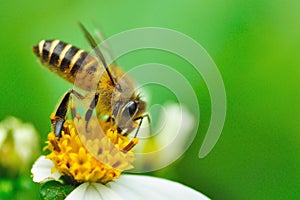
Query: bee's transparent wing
[(100, 38), (97, 50), (105, 47)]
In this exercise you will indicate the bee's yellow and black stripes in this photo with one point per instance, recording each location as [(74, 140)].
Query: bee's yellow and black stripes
[(63, 57)]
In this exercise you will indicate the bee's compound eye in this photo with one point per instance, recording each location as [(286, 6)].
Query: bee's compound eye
[(131, 107), (116, 108)]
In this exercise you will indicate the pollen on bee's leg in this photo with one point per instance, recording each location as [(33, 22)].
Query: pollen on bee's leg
[(130, 145), (53, 140), (52, 118), (66, 129)]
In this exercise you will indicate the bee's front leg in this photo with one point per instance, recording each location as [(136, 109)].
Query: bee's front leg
[(134, 140)]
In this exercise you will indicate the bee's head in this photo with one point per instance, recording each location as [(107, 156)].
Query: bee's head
[(126, 113), (126, 105)]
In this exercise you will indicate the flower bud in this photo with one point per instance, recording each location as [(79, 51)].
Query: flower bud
[(19, 146)]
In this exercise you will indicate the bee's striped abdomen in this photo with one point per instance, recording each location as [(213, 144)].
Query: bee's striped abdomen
[(70, 62), (57, 51), (60, 56)]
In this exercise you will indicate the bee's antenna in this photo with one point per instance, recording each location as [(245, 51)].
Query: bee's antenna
[(97, 50)]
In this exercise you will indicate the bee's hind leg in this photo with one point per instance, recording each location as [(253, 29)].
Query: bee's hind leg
[(61, 112)]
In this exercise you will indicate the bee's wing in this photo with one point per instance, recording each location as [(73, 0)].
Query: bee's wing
[(109, 57), (97, 51), (105, 47)]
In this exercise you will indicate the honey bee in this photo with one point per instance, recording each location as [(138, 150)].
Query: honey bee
[(111, 89)]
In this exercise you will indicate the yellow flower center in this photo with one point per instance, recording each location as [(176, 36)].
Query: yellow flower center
[(93, 155)]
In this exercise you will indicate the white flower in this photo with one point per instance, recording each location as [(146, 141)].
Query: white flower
[(133, 187), (177, 124), (173, 133), (18, 142), (176, 128)]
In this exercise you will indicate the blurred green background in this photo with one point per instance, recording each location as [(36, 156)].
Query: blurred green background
[(255, 45)]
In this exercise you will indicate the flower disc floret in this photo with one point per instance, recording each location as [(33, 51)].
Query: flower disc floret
[(92, 155)]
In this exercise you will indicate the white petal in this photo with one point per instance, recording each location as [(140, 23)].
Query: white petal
[(79, 192), (91, 191), (136, 187), (107, 193), (26, 142), (176, 130), (11, 123), (176, 121), (41, 170), (3, 134)]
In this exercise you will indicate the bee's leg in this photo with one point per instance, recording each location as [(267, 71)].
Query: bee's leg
[(89, 112), (141, 121), (134, 140), (60, 113)]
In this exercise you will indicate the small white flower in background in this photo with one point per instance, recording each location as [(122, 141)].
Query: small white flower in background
[(95, 179), (173, 134), (19, 145)]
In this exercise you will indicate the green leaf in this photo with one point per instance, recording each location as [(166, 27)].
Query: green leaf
[(54, 190)]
